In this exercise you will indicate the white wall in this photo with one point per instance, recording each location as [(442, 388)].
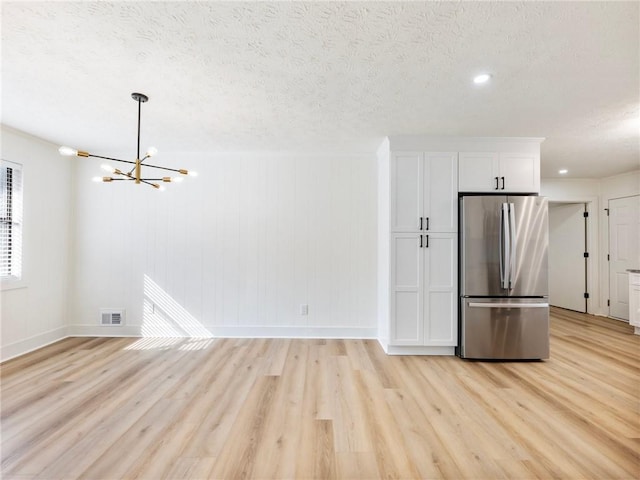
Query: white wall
[(596, 193), (35, 313), (234, 252)]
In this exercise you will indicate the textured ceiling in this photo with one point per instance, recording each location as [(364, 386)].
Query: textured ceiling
[(327, 76)]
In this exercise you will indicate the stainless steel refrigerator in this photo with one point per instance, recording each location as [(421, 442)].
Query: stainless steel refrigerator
[(504, 293)]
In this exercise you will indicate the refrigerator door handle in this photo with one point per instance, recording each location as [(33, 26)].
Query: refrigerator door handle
[(504, 245), (508, 305), (512, 243)]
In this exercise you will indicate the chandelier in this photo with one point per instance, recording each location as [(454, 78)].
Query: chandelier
[(135, 172)]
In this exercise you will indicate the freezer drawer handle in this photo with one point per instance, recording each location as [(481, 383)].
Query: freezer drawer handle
[(508, 305)]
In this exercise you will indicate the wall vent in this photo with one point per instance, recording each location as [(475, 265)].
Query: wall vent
[(111, 317)]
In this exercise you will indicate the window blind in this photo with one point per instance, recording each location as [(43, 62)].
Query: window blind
[(10, 220)]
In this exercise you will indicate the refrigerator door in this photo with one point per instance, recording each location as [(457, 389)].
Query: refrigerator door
[(504, 245), (505, 328), (529, 227), (482, 252)]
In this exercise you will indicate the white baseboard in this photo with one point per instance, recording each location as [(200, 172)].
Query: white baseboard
[(231, 332), (38, 341), (30, 344), (293, 332), (418, 350)]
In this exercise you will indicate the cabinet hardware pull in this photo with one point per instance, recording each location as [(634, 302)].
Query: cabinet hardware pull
[(420, 223), (420, 241), (427, 224), (497, 184), (427, 245), (502, 178)]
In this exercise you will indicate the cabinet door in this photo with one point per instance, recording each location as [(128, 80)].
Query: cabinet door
[(440, 313), (440, 192), (634, 305), (406, 280), (521, 172), (406, 191), (478, 172)]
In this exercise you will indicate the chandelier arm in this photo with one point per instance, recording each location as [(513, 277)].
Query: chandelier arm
[(112, 159), (142, 180), (163, 168)]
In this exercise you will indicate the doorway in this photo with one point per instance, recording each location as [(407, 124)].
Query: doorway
[(624, 251), (568, 256)]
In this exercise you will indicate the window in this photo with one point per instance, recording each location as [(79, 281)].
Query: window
[(10, 221)]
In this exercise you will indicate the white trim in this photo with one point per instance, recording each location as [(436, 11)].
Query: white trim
[(294, 332), (12, 283), (30, 344), (234, 332), (418, 350)]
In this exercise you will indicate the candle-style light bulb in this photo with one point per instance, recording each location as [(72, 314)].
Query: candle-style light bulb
[(151, 151), (67, 151)]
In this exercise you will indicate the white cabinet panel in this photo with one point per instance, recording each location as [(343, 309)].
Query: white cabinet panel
[(440, 290), (406, 280), (407, 261), (519, 172), (477, 172), (439, 330), (634, 301), (440, 191), (407, 330), (406, 197)]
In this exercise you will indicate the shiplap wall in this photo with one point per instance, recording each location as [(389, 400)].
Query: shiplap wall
[(34, 311), (233, 252)]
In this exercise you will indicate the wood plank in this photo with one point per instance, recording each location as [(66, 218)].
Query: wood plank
[(321, 409)]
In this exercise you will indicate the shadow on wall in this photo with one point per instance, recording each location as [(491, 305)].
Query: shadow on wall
[(166, 323)]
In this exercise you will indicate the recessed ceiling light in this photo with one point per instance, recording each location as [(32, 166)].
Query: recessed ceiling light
[(563, 171), (482, 78)]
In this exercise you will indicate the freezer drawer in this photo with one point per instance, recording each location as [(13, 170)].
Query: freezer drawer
[(505, 329)]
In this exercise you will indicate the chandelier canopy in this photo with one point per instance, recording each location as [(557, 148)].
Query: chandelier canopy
[(135, 173)]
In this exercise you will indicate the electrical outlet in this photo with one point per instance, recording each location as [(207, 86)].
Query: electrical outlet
[(304, 309)]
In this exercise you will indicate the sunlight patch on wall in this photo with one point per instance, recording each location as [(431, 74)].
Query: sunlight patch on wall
[(163, 316)]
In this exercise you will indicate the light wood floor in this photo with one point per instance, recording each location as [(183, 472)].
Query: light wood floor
[(95, 408)]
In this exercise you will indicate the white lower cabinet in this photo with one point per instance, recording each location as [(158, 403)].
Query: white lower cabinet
[(423, 289), (634, 301)]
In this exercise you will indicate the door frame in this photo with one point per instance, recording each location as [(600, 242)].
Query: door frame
[(584, 235), (608, 252), (593, 284)]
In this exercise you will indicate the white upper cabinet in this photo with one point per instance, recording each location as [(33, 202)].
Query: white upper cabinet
[(424, 192), (406, 192), (499, 172)]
